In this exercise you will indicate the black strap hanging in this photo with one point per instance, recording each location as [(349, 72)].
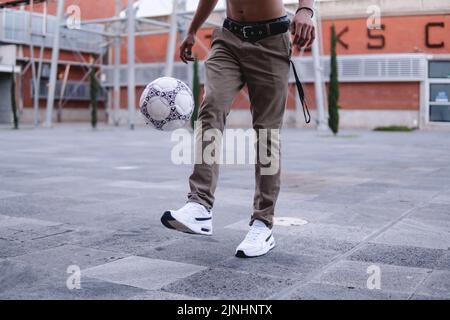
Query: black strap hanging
[(301, 94)]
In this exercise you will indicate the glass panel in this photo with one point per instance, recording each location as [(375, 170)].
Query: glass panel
[(440, 113), (439, 69), (440, 93)]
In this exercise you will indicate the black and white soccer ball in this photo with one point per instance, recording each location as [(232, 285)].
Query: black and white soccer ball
[(167, 103)]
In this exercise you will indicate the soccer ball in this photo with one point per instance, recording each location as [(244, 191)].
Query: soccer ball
[(167, 103)]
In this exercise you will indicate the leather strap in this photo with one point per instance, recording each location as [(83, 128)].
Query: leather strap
[(301, 94)]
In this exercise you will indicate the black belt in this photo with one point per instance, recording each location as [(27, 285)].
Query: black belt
[(255, 31)]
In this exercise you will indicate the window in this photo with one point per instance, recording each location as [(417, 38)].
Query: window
[(440, 113), (439, 91), (439, 70)]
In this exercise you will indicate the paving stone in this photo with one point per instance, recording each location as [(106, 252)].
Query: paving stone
[(8, 221), (161, 295), (30, 232), (31, 205), (344, 196), (80, 200), (434, 215), (444, 262), (228, 284), (145, 273), (410, 232), (422, 297), (277, 263), (198, 250), (19, 280), (354, 274), (436, 285), (136, 241), (399, 255), (31, 237), (442, 198), (316, 230), (325, 247), (60, 258), (7, 194), (320, 291)]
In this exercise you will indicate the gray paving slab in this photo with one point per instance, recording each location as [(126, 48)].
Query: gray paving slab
[(136, 241), (419, 233), (436, 285), (58, 259), (228, 284), (75, 195), (278, 263), (400, 255), (30, 232), (353, 274), (6, 194), (317, 230), (161, 295), (141, 272), (321, 247), (444, 262), (442, 198), (31, 205), (321, 291), (19, 280), (8, 221), (198, 250)]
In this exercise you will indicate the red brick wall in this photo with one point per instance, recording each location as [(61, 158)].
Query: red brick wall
[(405, 34)]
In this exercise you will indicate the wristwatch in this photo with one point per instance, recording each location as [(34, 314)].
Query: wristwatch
[(306, 8)]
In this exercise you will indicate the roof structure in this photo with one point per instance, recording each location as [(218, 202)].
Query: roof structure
[(15, 3)]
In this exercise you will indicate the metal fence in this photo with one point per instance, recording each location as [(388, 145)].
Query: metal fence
[(147, 72), (14, 28), (74, 90), (352, 68)]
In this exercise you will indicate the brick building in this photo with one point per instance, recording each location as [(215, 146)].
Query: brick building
[(396, 73)]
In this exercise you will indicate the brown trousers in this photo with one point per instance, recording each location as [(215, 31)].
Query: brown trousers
[(264, 67)]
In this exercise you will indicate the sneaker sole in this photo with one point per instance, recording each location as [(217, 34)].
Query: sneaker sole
[(171, 223), (241, 254)]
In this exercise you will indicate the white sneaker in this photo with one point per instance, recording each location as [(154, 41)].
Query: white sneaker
[(191, 218), (258, 242)]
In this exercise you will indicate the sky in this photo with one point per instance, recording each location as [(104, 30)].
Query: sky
[(150, 8)]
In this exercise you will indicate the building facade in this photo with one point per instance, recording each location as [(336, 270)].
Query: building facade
[(393, 56)]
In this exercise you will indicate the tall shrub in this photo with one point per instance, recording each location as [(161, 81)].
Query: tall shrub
[(333, 91), (13, 101), (195, 92), (93, 96)]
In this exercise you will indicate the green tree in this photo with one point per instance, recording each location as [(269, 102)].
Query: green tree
[(13, 101), (195, 92), (333, 90), (93, 95)]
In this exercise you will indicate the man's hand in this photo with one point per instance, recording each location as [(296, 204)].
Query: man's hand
[(186, 48), (302, 28)]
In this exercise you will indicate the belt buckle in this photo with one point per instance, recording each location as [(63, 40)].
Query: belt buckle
[(244, 31)]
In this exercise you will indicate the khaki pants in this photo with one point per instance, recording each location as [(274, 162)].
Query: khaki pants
[(264, 67)]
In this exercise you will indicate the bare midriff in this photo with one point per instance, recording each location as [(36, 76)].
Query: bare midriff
[(255, 10)]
